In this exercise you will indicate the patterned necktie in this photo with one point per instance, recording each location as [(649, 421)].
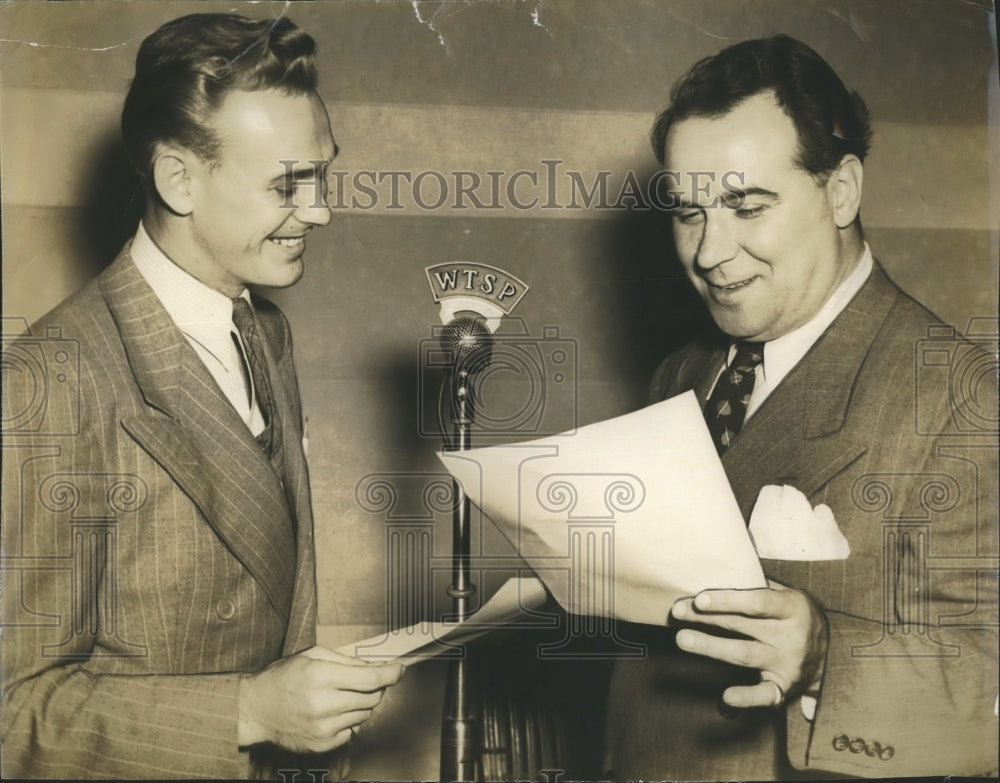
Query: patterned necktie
[(727, 407), (254, 350)]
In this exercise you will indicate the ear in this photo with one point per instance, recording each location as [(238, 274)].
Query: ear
[(172, 173), (844, 187)]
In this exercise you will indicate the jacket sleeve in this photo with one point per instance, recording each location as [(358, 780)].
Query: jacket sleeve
[(910, 681), (72, 703)]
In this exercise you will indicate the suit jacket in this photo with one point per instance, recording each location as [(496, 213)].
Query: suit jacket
[(151, 552), (868, 423)]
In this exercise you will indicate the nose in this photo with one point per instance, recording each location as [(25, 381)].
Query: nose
[(718, 241), (314, 210)]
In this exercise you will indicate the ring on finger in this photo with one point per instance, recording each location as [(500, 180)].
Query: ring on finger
[(779, 694)]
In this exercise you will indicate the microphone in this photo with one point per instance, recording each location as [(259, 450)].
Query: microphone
[(473, 298), (468, 343)]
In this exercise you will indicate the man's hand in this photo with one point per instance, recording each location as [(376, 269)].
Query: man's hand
[(310, 702), (787, 639)]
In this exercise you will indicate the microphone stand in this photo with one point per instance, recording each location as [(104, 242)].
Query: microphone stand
[(469, 344), (459, 730)]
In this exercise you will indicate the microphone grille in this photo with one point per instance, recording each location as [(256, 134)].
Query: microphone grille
[(468, 343)]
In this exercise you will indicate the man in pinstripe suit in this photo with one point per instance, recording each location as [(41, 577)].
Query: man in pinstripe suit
[(159, 582), (882, 663)]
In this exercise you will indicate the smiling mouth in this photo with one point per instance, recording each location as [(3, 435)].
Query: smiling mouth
[(733, 286), (288, 241)]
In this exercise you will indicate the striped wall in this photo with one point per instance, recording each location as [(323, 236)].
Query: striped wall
[(482, 87)]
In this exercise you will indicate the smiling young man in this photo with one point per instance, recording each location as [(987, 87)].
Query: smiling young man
[(868, 665), (173, 635)]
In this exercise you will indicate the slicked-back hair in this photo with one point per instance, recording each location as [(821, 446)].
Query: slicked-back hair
[(830, 120), (186, 68)]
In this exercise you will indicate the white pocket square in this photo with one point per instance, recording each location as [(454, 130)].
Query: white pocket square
[(784, 526)]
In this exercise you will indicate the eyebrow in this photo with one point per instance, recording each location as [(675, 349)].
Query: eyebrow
[(744, 193), (296, 175), (737, 195)]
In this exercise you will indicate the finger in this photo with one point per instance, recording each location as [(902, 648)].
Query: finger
[(739, 652), (349, 721), (683, 608), (338, 702), (764, 694), (318, 652), (762, 602), (753, 627), (365, 679), (316, 741), (323, 706)]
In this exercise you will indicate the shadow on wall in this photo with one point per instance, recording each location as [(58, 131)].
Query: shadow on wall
[(115, 199), (659, 309)]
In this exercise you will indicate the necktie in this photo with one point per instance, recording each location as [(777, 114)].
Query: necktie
[(254, 350), (727, 407)]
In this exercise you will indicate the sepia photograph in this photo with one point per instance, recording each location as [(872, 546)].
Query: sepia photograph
[(537, 390)]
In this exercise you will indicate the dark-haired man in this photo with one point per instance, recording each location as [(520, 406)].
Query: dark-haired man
[(160, 594), (877, 664)]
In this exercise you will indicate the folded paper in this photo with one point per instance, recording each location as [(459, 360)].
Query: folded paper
[(425, 640), (620, 518), (784, 526)]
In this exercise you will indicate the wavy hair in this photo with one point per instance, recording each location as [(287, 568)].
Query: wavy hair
[(185, 69), (830, 120)]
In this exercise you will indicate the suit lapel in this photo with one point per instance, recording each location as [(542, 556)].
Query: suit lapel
[(194, 433), (302, 622), (800, 435)]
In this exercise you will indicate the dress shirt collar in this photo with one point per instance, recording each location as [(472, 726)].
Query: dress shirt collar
[(200, 312)]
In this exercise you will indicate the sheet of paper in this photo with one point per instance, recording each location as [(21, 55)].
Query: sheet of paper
[(620, 518), (426, 640)]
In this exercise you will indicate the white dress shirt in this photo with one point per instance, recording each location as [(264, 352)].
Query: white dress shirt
[(205, 318)]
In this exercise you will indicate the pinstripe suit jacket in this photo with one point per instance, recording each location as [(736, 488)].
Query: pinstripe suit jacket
[(151, 552), (863, 425)]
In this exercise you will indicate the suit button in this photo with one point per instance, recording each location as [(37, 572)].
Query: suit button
[(887, 753), (857, 745), (840, 742), (225, 609), (873, 749)]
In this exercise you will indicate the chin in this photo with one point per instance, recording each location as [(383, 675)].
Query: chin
[(737, 328), (282, 278)]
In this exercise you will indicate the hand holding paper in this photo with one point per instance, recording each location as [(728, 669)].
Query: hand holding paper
[(783, 634)]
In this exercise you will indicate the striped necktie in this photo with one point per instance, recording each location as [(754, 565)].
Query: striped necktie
[(727, 407), (257, 364)]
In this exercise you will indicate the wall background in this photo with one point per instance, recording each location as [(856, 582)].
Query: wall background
[(493, 86)]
